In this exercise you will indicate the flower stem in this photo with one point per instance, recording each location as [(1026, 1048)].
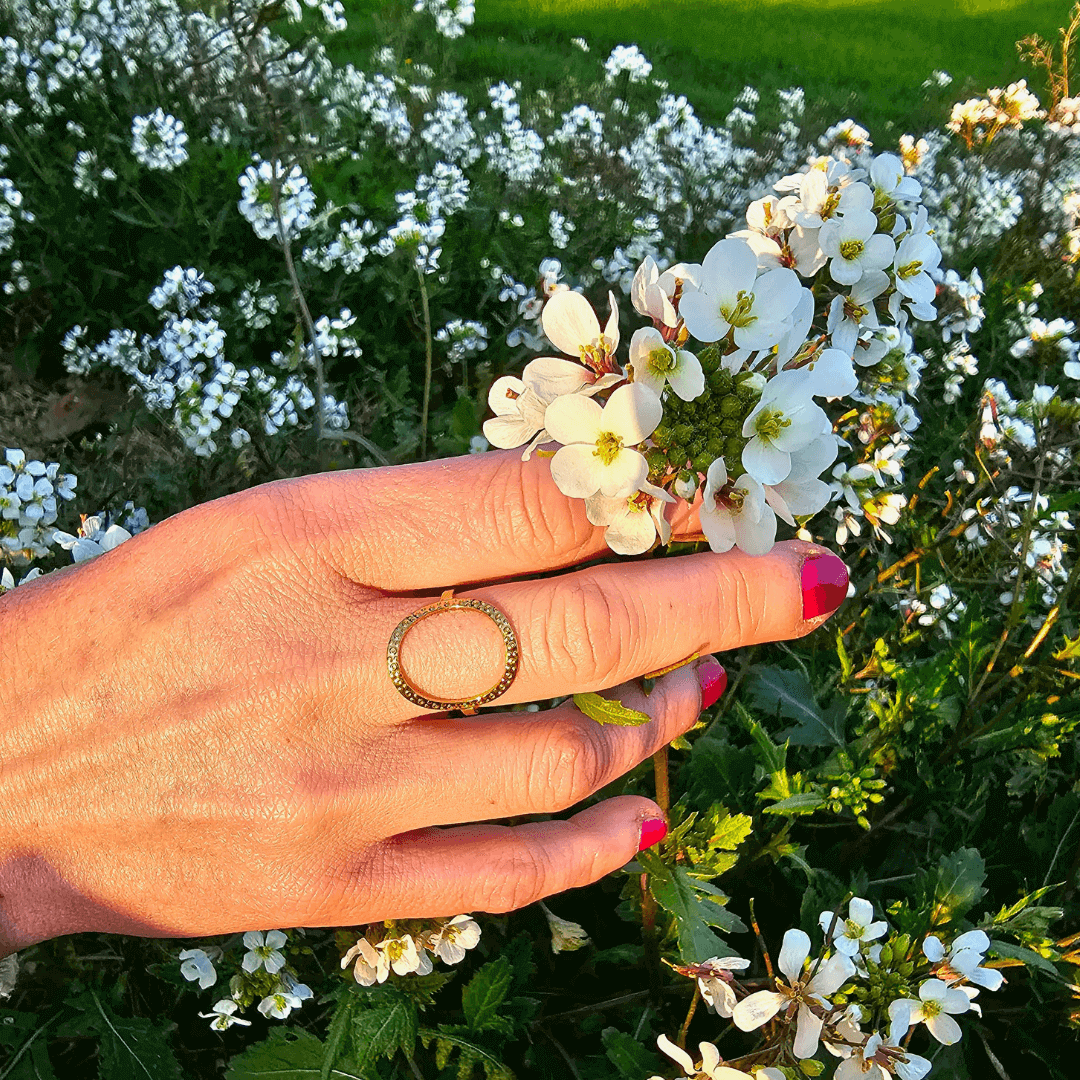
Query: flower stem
[(663, 783), (650, 940), (427, 362), (681, 1041)]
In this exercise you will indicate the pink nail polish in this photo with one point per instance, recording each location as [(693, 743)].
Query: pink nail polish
[(653, 830), (713, 679), (824, 584)]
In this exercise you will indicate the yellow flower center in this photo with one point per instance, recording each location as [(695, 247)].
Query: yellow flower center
[(855, 312), (608, 446), (853, 929), (931, 1008), (909, 269), (851, 249), (739, 315), (661, 361), (829, 208), (769, 424)]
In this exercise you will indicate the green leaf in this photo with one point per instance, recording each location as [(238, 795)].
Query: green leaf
[(289, 1054), (773, 757), (448, 1041), (131, 1048), (805, 802), (788, 694), (633, 1061), (959, 884), (485, 992), (340, 1024), (605, 711), (24, 1033), (1028, 957), (680, 896), (383, 1031)]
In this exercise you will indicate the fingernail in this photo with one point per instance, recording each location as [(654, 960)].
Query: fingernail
[(713, 680), (824, 584), (653, 831)]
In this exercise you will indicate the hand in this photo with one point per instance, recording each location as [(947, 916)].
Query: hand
[(198, 734)]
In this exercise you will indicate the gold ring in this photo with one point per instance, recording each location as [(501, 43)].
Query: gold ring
[(448, 602)]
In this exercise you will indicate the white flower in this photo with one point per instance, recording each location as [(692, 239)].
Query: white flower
[(736, 513), (849, 314), (887, 174), (732, 298), (804, 990), (632, 524), (784, 420), (656, 363), (859, 926), (597, 452), (92, 539), (916, 259), (566, 936), (878, 1060), (519, 404), (573, 328), (405, 956), (854, 247), (196, 965), (279, 1004), (222, 1018), (451, 941), (936, 1007), (371, 967), (264, 951), (714, 982), (708, 1067), (801, 493), (965, 955)]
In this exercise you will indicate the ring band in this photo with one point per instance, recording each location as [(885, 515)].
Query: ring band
[(448, 602)]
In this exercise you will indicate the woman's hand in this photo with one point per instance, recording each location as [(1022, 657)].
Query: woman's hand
[(198, 734)]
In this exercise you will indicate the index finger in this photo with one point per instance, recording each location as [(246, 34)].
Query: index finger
[(434, 524)]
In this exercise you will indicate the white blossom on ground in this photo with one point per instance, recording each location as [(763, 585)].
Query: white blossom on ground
[(264, 951), (197, 966), (223, 1015), (159, 141)]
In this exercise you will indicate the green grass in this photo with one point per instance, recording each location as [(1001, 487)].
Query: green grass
[(864, 58)]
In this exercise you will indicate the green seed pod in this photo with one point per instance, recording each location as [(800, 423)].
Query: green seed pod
[(906, 968), (731, 426), (709, 358), (901, 945), (715, 446), (811, 1067), (662, 436), (730, 405), (684, 434), (702, 461), (656, 460)]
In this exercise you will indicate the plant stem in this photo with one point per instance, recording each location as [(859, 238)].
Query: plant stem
[(681, 1041), (427, 362), (652, 944), (663, 783)]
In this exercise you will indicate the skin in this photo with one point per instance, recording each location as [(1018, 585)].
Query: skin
[(198, 734)]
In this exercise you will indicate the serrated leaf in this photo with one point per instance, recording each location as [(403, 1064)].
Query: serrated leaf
[(730, 830), (447, 1041), (788, 694), (383, 1031), (805, 802), (288, 1054), (340, 1025), (959, 884), (678, 894), (130, 1048), (485, 992), (634, 1061), (605, 711)]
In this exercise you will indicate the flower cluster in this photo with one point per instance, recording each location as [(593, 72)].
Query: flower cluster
[(159, 141), (29, 491), (860, 999), (738, 418), (407, 949), (295, 199), (451, 16), (264, 974)]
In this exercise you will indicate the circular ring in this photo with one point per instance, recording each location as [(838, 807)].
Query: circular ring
[(448, 602)]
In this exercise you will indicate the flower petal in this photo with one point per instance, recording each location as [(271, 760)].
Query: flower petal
[(570, 322), (632, 412), (807, 1033), (944, 1028), (757, 1009), (573, 418), (676, 1053), (624, 475), (576, 470), (764, 462), (793, 953), (701, 313), (687, 378), (551, 377)]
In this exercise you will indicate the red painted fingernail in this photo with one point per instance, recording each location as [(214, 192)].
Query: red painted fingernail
[(824, 584), (713, 679), (653, 831)]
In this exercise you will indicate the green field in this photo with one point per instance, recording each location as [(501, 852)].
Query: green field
[(864, 58)]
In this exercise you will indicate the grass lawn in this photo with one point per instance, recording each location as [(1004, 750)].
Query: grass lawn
[(864, 58)]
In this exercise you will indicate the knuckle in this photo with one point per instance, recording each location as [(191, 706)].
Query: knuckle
[(574, 761), (516, 879), (587, 630), (742, 601)]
